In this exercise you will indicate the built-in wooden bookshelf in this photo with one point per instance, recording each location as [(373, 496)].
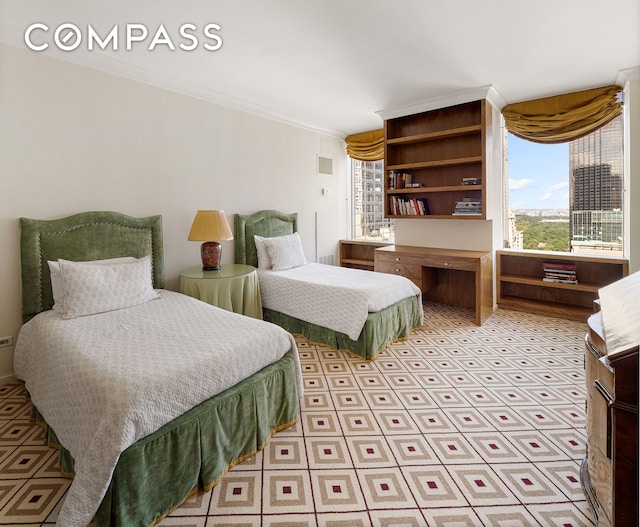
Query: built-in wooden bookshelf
[(359, 253), (521, 285), (435, 163)]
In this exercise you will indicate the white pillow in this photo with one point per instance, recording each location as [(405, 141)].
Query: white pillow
[(264, 260), (56, 278), (285, 251), (90, 288)]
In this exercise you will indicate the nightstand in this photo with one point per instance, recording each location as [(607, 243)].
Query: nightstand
[(234, 287)]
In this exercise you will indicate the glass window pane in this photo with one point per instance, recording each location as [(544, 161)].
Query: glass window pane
[(567, 197), (368, 201)]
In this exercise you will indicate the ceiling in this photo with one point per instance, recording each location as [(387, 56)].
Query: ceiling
[(330, 65)]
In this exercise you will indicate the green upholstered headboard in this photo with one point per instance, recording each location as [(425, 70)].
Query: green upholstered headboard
[(265, 223), (82, 237)]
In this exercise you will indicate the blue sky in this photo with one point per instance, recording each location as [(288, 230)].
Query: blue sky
[(538, 175)]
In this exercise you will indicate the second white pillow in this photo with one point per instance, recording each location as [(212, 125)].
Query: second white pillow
[(264, 260), (285, 251)]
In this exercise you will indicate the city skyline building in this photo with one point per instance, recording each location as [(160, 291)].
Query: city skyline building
[(596, 190), (368, 199)]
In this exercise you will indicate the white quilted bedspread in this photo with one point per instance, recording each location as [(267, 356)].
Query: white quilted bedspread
[(338, 298), (104, 381)]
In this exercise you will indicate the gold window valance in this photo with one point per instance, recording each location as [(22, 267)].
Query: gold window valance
[(366, 146), (563, 118)]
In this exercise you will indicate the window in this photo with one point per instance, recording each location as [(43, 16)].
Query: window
[(367, 193), (596, 190), (567, 196)]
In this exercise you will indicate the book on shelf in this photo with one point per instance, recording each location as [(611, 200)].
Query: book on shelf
[(408, 206), (560, 272), (400, 180), (558, 266), (560, 280), (468, 207)]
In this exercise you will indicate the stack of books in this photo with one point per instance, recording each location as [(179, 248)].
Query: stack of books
[(564, 273), (472, 181), (468, 207)]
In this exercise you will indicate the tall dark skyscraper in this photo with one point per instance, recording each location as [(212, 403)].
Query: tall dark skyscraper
[(596, 189)]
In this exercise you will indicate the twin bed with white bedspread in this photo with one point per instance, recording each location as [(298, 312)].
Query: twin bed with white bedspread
[(151, 400), (350, 309), (335, 297)]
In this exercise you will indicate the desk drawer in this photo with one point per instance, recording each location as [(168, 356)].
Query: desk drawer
[(412, 272), (398, 259), (448, 263), (427, 260)]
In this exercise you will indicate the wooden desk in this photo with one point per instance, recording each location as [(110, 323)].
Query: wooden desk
[(448, 276)]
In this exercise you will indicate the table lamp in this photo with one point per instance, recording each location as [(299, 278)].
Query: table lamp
[(210, 227)]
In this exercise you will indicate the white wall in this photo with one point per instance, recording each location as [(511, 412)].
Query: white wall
[(73, 139), (632, 177), (470, 235)]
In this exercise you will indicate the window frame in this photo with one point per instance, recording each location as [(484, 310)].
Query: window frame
[(594, 246), (383, 223)]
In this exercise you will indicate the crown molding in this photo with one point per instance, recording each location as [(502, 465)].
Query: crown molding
[(110, 65), (628, 75), (451, 99)]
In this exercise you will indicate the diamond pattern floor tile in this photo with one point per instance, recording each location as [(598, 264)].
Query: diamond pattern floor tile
[(337, 490)]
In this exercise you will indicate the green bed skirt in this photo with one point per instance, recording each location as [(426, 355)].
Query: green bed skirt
[(381, 328), (159, 472)]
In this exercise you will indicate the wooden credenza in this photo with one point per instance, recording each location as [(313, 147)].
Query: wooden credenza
[(448, 276), (359, 253), (609, 472)]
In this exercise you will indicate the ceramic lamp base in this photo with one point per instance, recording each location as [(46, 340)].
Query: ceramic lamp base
[(211, 253)]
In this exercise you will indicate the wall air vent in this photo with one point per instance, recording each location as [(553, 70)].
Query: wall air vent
[(325, 166)]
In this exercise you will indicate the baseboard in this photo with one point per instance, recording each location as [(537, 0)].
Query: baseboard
[(8, 379)]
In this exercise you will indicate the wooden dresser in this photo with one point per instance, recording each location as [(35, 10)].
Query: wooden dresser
[(609, 472)]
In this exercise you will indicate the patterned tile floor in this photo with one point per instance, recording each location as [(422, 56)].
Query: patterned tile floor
[(459, 425)]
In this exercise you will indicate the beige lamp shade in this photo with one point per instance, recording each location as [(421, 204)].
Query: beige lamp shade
[(210, 226)]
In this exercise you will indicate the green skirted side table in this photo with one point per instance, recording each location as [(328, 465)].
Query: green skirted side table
[(234, 287)]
